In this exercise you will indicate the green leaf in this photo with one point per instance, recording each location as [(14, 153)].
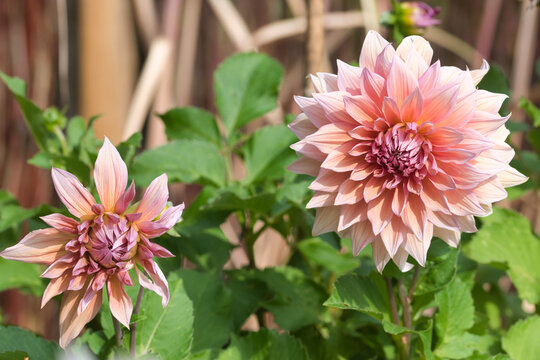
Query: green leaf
[(267, 153), (166, 331), (16, 339), (296, 300), (17, 274), (521, 341), (506, 237), (231, 199), (441, 266), (32, 114), (212, 308), (531, 110), (247, 294), (75, 130), (265, 345), (191, 123), (128, 148), (14, 355), (463, 346), (322, 253), (189, 161), (360, 293), (208, 248), (246, 87), (425, 335)]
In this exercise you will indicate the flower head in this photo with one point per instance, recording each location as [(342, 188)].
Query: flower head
[(97, 252), (402, 150), (410, 17)]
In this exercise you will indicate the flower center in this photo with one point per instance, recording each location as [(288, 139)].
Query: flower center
[(112, 240), (399, 152)]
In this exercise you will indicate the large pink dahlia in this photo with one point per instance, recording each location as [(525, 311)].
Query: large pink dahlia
[(98, 251), (402, 150)]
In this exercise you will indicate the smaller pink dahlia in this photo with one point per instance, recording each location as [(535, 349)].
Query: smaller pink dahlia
[(402, 150), (98, 251)]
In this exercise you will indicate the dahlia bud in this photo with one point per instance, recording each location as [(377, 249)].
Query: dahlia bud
[(410, 18)]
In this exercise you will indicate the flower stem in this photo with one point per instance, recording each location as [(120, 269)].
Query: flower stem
[(395, 318), (405, 302), (133, 340), (117, 331)]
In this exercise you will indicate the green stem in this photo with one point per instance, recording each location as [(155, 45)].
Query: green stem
[(405, 303), (117, 331), (136, 310)]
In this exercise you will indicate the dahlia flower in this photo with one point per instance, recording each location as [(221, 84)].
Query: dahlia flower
[(98, 251), (402, 150), (418, 14)]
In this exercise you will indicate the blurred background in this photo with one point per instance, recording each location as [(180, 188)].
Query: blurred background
[(130, 59)]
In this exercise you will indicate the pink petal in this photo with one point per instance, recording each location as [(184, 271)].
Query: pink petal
[(374, 188), (380, 255), (313, 110), (384, 61), (430, 79), (451, 237), (119, 301), (332, 104), (328, 181), (511, 177), (339, 160), (433, 198), (391, 111), (321, 199), (400, 82), (305, 165), (414, 216), (350, 215), (302, 126), (324, 82), (445, 137), (42, 246), (412, 107), (490, 191), (56, 286), (110, 175), (310, 150), (400, 259), (442, 181), (157, 282), (362, 109), (72, 193), (166, 221), (372, 47), (350, 192), (439, 103), (58, 267), (328, 138), (401, 194), (393, 235), (123, 202), (348, 78), (379, 212), (326, 220), (486, 123), (372, 86), (464, 203), (477, 75), (418, 247), (154, 199), (488, 101), (416, 63), (361, 236), (418, 44), (71, 323), (61, 222)]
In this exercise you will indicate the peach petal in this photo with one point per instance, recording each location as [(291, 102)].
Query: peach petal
[(511, 177), (326, 220), (350, 215), (321, 199), (400, 82), (72, 193), (154, 199), (332, 104), (400, 258), (418, 247), (119, 301), (328, 82), (418, 44), (339, 160), (302, 126), (305, 165), (166, 221), (401, 194), (348, 78), (350, 192), (328, 181), (412, 107), (392, 236), (379, 212), (451, 237), (61, 222), (477, 75), (56, 286), (372, 47), (362, 109), (157, 281), (380, 255), (110, 175), (42, 246), (361, 236), (431, 78), (374, 188), (71, 323), (372, 86)]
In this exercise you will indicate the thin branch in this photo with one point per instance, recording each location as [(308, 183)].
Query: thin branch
[(392, 298), (414, 282), (233, 23), (117, 331), (136, 310)]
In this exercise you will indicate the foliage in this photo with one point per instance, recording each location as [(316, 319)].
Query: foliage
[(323, 303)]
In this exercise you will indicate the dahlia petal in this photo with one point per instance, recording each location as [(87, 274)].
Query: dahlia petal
[(332, 104), (372, 86), (439, 103), (350, 192), (363, 133), (362, 109), (166, 221), (400, 82), (42, 246), (494, 160), (454, 155), (61, 222), (328, 138), (58, 267), (477, 75), (418, 44), (416, 63), (445, 137), (56, 286), (391, 111), (72, 193), (431, 78), (305, 165), (156, 250), (401, 194), (451, 237), (350, 215), (467, 224), (442, 220), (380, 255), (77, 282), (312, 151), (321, 199), (500, 135), (326, 220), (372, 47), (339, 160), (302, 126), (486, 123), (465, 176), (414, 216), (328, 181), (392, 236), (384, 61), (462, 112), (489, 102), (374, 187), (451, 75), (361, 236), (313, 110), (433, 198), (154, 199), (490, 191), (400, 258), (119, 301), (418, 247), (328, 82), (412, 107), (463, 203), (379, 212), (348, 78), (123, 202), (442, 181), (110, 175), (157, 282), (509, 177), (317, 86), (71, 323)]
